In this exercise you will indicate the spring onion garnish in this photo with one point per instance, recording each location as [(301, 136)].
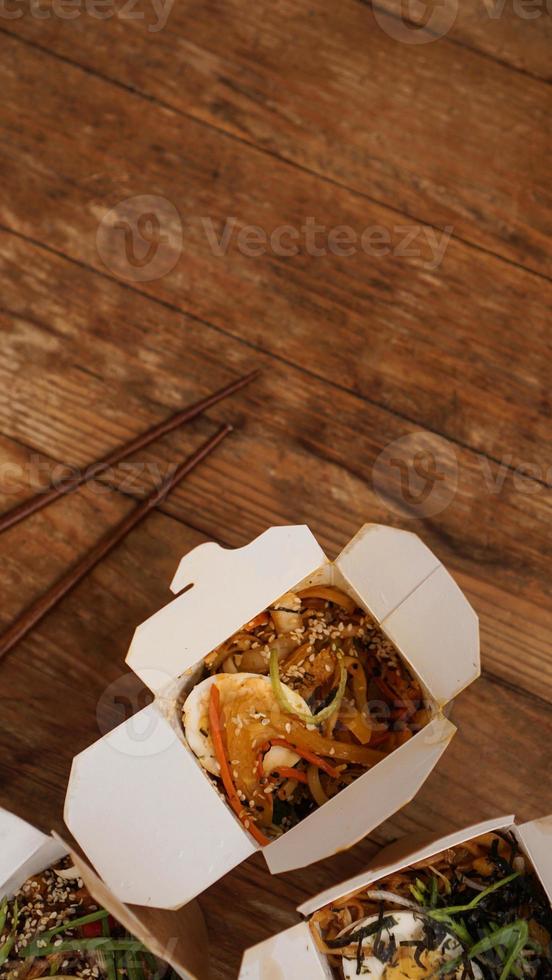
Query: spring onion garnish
[(33, 949), (443, 914), (87, 945), (108, 957), (3, 913), (514, 937), (7, 947), (281, 697)]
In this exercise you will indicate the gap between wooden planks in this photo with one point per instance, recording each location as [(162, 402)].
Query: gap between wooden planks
[(232, 67), (135, 341), (467, 324), (239, 508), (493, 28), (134, 354)]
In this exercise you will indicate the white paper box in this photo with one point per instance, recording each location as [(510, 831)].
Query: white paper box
[(167, 833), (180, 941), (293, 954)]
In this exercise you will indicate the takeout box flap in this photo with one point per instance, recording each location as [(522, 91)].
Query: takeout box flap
[(177, 937), (290, 955), (24, 851), (366, 803), (536, 838), (158, 832), (225, 588), (382, 865), (418, 605)]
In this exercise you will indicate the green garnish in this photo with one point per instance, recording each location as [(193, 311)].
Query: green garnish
[(34, 950), (108, 958), (442, 914), (86, 945), (514, 937), (133, 967), (7, 947), (281, 697), (3, 913), (418, 890)]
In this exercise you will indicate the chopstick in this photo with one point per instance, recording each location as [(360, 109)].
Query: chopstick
[(34, 613), (28, 507)]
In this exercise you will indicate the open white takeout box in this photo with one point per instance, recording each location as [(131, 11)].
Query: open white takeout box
[(179, 939), (293, 954), (167, 833)]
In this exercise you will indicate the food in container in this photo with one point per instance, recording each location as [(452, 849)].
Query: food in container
[(58, 919), (297, 704), (195, 829), (53, 927), (474, 910), (474, 905)]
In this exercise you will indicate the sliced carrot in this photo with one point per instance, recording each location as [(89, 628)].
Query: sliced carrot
[(260, 620), (309, 756), (377, 738), (385, 689), (226, 775), (260, 771)]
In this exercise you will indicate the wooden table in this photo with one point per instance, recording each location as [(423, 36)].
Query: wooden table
[(277, 113)]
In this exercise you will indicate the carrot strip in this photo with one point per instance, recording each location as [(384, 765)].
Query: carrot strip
[(377, 738), (309, 756), (226, 775), (384, 688), (288, 772), (260, 620), (260, 771)]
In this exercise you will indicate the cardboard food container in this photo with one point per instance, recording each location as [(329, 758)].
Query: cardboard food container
[(167, 832), (180, 939), (293, 954)]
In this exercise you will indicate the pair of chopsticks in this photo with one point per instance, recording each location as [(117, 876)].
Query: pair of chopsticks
[(34, 613)]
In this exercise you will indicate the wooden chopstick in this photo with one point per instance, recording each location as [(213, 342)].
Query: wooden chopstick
[(28, 507), (34, 613)]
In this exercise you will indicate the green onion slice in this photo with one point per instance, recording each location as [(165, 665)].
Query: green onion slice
[(34, 950), (86, 945), (442, 914), (285, 704)]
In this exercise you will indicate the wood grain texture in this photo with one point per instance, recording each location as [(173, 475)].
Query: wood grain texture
[(308, 452), (236, 70), (517, 34), (270, 113), (353, 53), (466, 320)]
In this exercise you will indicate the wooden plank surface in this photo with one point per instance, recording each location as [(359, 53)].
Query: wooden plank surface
[(353, 320), (236, 71), (516, 34), (271, 113), (139, 356)]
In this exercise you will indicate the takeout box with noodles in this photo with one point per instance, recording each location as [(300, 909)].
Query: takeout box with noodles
[(178, 939), (167, 830), (507, 883)]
